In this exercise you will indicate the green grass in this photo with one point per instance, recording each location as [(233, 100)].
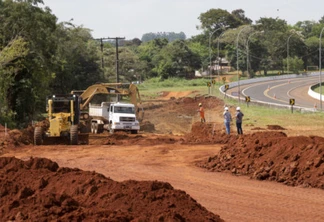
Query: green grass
[(317, 89), (264, 115), (152, 87)]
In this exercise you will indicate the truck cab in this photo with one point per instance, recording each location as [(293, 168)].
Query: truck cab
[(113, 117)]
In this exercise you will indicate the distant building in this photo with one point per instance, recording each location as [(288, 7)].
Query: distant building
[(222, 68)]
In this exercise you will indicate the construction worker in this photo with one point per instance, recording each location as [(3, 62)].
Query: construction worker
[(202, 113), (227, 120), (239, 116)]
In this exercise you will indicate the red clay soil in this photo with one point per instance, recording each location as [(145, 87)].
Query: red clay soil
[(39, 190), (14, 138), (295, 161), (265, 155)]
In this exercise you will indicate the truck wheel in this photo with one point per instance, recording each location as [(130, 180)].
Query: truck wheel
[(74, 135), (95, 131), (38, 136), (92, 127), (134, 132)]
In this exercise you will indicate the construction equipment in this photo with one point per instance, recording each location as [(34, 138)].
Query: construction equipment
[(113, 89), (63, 117), (111, 115)]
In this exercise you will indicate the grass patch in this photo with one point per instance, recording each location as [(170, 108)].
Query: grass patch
[(152, 87), (297, 123)]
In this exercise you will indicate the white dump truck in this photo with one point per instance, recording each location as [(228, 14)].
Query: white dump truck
[(113, 117)]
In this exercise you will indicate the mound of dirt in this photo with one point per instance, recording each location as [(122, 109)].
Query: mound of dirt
[(124, 138), (295, 161), (39, 190), (10, 139), (206, 133), (14, 138), (147, 126), (275, 127)]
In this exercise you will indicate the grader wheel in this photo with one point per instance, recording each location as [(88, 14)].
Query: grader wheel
[(74, 135), (38, 136)]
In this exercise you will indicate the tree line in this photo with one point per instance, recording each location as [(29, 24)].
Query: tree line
[(41, 57), (170, 36)]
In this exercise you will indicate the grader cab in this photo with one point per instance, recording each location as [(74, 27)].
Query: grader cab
[(63, 118)]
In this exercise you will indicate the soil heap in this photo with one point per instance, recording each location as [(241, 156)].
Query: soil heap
[(39, 190), (295, 161)]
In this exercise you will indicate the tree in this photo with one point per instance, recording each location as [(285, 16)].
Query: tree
[(306, 27), (213, 23), (149, 53), (274, 41), (178, 61), (170, 36), (131, 68), (202, 51), (16, 49), (23, 19), (295, 64), (76, 61), (41, 58), (240, 15), (10, 58), (256, 53), (133, 42), (218, 18), (321, 21)]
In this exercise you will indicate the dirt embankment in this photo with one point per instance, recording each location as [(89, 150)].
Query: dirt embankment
[(39, 190), (271, 155)]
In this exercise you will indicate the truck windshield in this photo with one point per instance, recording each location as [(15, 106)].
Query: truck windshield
[(123, 109)]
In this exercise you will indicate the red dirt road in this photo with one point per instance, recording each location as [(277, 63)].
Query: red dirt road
[(162, 155), (233, 198)]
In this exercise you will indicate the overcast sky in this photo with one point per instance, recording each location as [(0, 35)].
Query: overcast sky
[(133, 18)]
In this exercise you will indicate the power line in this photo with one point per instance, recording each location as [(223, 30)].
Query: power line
[(117, 57)]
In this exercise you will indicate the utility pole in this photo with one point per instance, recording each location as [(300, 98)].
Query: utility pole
[(117, 59), (102, 55)]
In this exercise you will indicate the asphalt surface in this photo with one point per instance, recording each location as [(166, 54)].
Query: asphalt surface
[(280, 91)]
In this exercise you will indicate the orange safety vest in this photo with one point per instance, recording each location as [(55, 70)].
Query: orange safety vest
[(202, 112)]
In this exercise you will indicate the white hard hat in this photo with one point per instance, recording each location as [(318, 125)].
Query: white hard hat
[(238, 108), (226, 108), (199, 104)]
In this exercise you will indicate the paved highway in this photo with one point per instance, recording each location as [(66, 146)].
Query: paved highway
[(280, 91)]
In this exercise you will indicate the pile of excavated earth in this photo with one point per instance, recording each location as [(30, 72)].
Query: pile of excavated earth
[(40, 190)]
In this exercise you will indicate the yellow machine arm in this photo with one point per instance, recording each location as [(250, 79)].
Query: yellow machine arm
[(129, 90)]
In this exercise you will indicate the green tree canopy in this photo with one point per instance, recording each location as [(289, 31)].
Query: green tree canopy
[(170, 36), (23, 19)]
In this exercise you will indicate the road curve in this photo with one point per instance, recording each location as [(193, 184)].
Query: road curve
[(280, 91)]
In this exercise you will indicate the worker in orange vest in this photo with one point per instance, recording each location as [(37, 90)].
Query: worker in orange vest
[(202, 113)]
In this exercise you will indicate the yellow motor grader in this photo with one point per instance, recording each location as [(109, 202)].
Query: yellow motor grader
[(63, 119)]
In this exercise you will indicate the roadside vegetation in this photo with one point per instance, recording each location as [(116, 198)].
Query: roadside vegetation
[(41, 57)]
